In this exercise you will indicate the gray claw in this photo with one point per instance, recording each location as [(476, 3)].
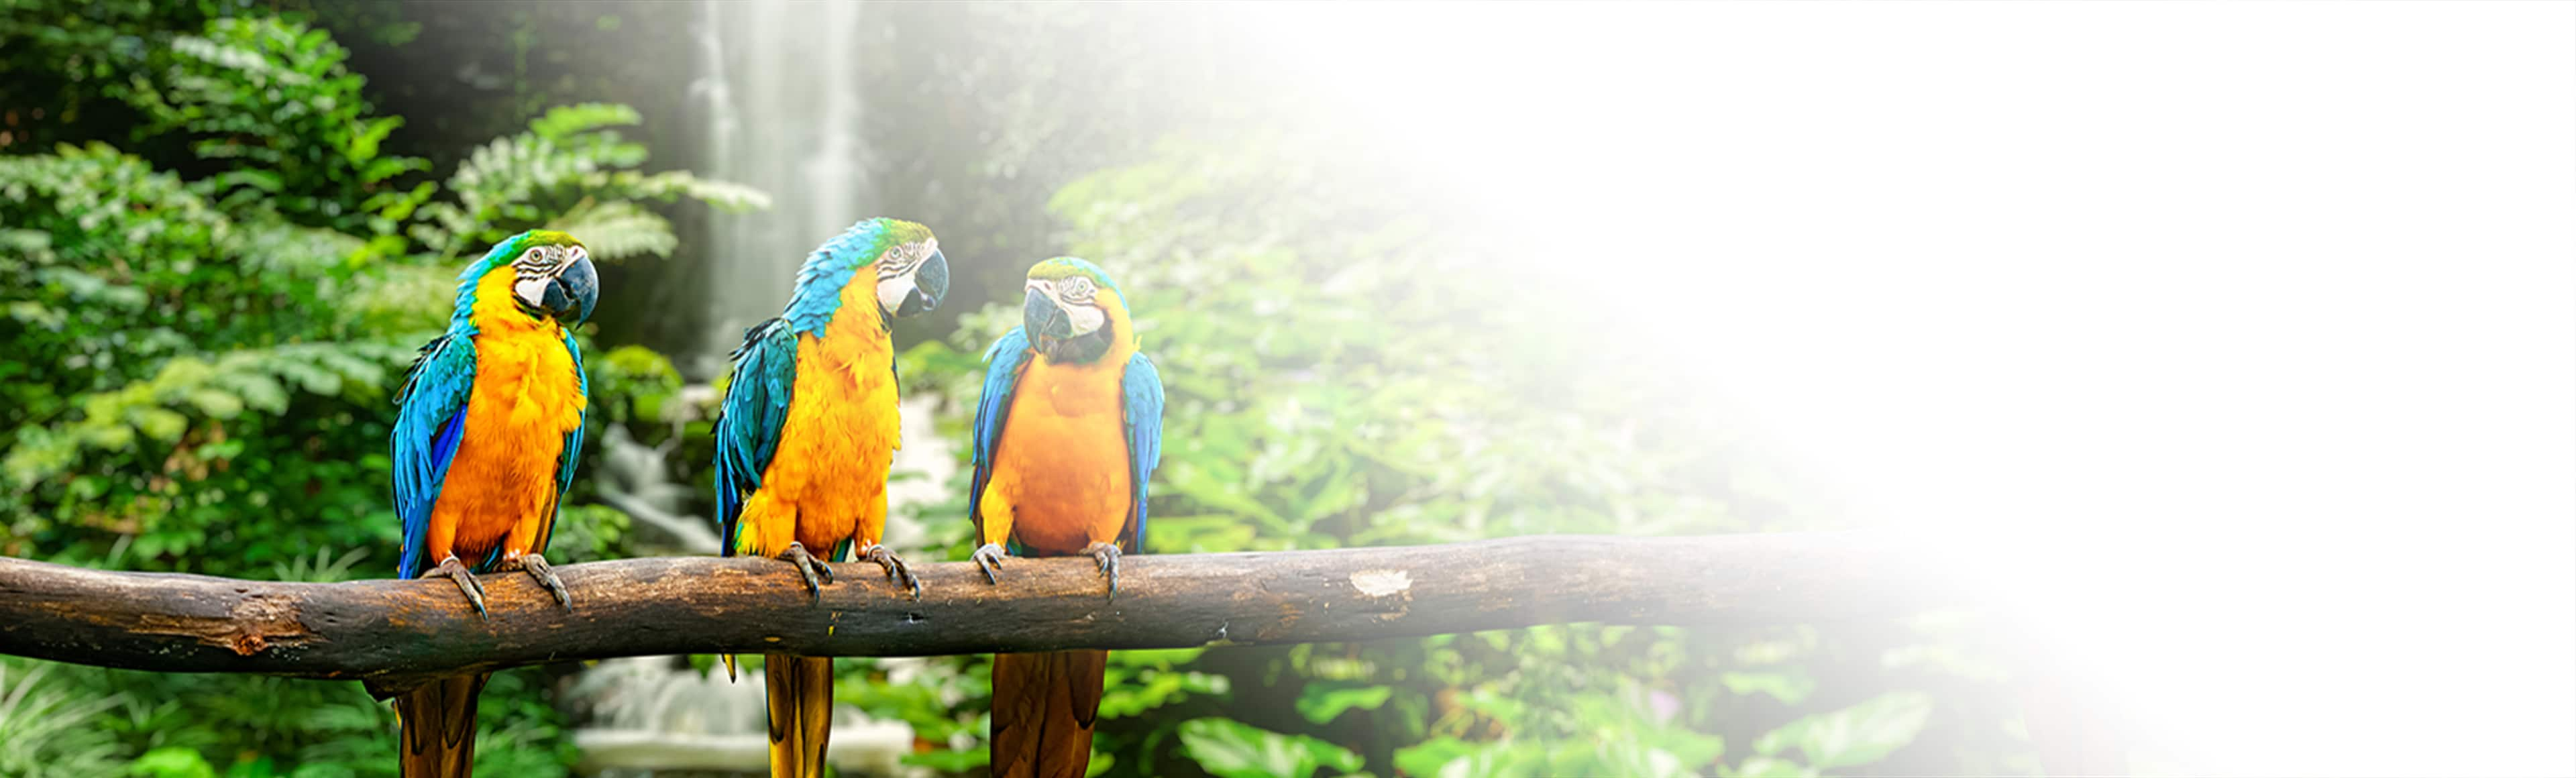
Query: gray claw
[(989, 557), (813, 571), (895, 569), (1107, 555), (454, 570), (536, 567)]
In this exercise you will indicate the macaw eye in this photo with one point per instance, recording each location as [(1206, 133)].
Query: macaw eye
[(538, 258), (1077, 289), (900, 260)]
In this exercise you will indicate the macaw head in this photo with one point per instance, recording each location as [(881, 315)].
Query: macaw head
[(1074, 312), (911, 273), (554, 276)]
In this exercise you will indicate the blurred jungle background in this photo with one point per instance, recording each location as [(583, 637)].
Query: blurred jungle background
[(229, 223), (226, 224)]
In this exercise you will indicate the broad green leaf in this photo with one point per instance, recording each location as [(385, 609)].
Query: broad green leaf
[(1236, 750), (565, 120), (216, 403), (1857, 735), (160, 424), (1322, 702), (1454, 758), (1770, 767), (172, 762), (1790, 686)]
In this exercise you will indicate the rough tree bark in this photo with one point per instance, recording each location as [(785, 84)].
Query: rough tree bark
[(392, 634)]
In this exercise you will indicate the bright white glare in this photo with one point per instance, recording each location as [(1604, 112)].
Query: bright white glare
[(2235, 341)]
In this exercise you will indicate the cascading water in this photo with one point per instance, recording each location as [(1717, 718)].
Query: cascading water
[(778, 89)]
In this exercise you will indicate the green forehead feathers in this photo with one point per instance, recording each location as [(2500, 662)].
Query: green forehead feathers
[(1061, 268), (897, 232), (546, 238)]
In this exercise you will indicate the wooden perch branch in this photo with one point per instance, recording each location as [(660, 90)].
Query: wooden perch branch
[(393, 634)]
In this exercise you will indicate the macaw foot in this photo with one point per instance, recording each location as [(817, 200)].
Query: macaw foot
[(990, 558), (535, 566), (1107, 555), (454, 570), (816, 573), (895, 569)]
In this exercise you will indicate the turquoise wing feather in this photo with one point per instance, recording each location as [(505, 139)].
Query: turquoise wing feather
[(1143, 387), (1001, 376), (754, 411), (426, 432)]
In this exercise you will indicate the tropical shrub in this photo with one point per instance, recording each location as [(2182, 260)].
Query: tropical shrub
[(190, 350)]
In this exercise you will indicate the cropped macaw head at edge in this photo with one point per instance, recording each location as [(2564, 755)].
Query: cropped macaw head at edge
[(1067, 314), (554, 277)]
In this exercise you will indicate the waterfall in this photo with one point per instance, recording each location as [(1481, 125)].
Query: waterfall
[(779, 90)]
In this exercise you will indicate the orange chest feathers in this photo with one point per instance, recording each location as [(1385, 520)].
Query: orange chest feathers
[(526, 397), (842, 427), (1063, 455)]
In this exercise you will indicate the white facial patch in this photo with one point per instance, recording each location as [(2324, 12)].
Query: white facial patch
[(1084, 318), (891, 291), (531, 291)]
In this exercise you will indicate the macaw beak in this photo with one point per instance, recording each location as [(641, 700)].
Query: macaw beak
[(571, 295), (1042, 319), (929, 286)]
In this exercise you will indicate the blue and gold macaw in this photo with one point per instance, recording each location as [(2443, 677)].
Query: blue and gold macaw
[(1067, 434), (483, 449), (807, 434)]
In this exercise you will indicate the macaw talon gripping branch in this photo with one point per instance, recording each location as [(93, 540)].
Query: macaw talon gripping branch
[(536, 567), (815, 573), (453, 569), (989, 557), (1107, 554), (895, 569)]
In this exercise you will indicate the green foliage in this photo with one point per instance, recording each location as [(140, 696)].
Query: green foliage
[(205, 307), (1329, 360), (570, 171), (1309, 340), (1236, 750), (48, 727), (1323, 393), (1323, 701), (1852, 736), (1789, 686), (632, 383), (1617, 735), (273, 100), (172, 763), (151, 398), (203, 334)]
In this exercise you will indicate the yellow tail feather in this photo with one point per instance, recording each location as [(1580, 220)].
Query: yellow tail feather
[(438, 727), (800, 714)]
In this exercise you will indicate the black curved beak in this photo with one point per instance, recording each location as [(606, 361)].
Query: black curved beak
[(573, 293), (929, 286), (1042, 319)]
